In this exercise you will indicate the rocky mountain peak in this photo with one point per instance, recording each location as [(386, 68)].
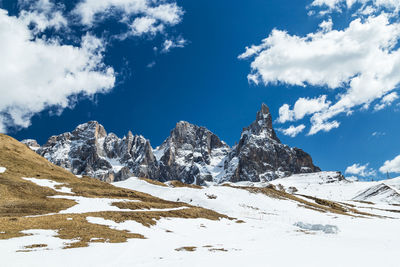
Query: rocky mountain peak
[(186, 133), (191, 153), (89, 130), (262, 125)]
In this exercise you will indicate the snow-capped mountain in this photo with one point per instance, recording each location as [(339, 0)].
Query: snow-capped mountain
[(191, 153), (89, 150)]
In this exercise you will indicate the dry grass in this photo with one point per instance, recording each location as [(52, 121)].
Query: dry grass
[(154, 182), (21, 198), (77, 229), (211, 196), (218, 249), (190, 249), (176, 183), (149, 205), (36, 246), (149, 218), (364, 202)]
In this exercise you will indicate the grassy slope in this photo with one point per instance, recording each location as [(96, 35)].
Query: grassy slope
[(21, 198)]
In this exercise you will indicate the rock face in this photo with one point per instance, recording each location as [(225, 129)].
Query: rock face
[(31, 143), (88, 150), (260, 155), (191, 154)]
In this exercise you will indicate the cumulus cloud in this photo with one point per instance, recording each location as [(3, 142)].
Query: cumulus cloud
[(391, 165), (293, 131), (386, 101), (360, 170), (39, 73), (363, 59), (141, 16), (302, 107), (42, 14), (363, 6)]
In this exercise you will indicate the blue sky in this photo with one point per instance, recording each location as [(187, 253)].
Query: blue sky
[(203, 81)]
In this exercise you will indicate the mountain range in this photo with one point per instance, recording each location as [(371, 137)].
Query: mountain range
[(191, 154)]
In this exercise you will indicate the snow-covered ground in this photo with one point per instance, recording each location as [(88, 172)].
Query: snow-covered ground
[(50, 184), (274, 232)]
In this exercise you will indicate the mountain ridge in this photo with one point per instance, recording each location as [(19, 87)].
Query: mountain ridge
[(192, 154)]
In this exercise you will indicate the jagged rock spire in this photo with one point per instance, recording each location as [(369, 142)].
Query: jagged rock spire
[(263, 124)]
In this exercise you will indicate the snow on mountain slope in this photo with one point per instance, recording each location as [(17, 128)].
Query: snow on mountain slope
[(267, 225), (387, 191), (327, 185), (266, 230)]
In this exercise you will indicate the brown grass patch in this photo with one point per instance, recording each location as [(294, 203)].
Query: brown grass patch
[(364, 202), (149, 218), (154, 182), (176, 183), (35, 246), (218, 249), (211, 196), (149, 205), (190, 249), (77, 229)]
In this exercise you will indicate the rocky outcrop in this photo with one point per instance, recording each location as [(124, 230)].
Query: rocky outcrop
[(260, 156), (31, 143), (191, 153), (88, 150)]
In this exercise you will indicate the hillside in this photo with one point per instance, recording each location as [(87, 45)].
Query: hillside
[(50, 217), (36, 194)]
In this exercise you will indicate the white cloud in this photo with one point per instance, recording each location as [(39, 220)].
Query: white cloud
[(361, 170), (377, 134), (42, 14), (391, 165), (144, 25), (302, 107), (364, 6), (386, 101), (141, 16), (170, 44), (293, 131), (363, 59), (39, 73), (318, 126)]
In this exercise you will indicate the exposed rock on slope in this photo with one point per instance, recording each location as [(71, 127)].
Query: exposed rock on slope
[(260, 155), (387, 191), (90, 151), (191, 154)]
